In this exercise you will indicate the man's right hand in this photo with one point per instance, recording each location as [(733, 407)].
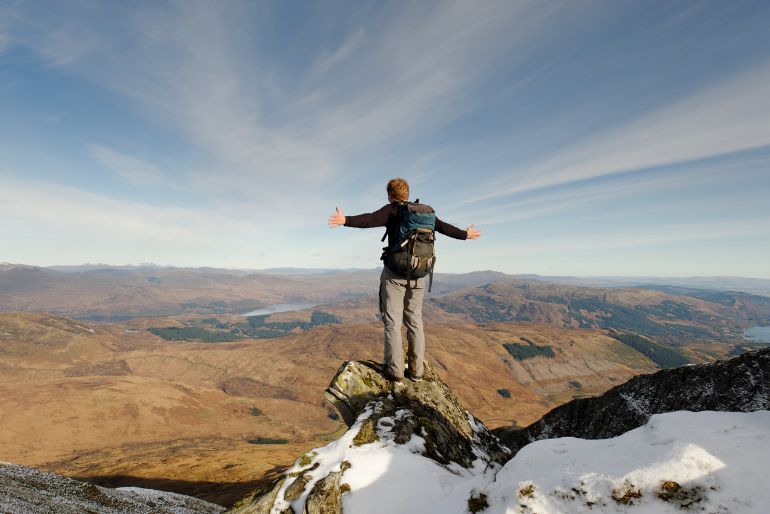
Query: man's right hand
[(337, 218), (473, 233)]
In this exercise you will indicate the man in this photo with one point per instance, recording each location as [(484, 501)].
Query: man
[(400, 299)]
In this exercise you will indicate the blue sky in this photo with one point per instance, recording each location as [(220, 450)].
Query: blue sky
[(583, 138)]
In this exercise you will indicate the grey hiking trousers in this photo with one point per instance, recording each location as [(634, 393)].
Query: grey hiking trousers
[(401, 301)]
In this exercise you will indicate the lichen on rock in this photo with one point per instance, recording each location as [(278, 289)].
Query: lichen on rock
[(260, 502), (326, 496), (435, 413), (366, 434), (424, 415)]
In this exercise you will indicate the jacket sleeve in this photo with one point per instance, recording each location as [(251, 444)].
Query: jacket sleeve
[(378, 218), (450, 230)]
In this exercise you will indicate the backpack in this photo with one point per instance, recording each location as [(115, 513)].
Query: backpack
[(414, 253)]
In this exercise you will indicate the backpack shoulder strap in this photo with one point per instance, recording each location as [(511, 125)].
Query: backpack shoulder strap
[(400, 213)]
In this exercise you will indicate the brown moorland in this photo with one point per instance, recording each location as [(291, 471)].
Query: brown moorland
[(119, 406)]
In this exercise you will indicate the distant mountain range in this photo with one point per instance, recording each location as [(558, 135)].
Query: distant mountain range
[(99, 292), (760, 286), (118, 293), (752, 285)]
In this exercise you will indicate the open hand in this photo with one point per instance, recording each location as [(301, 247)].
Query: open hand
[(473, 233), (337, 218)]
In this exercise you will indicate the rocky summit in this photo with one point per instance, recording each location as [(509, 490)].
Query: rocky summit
[(425, 417), (411, 447), (451, 433)]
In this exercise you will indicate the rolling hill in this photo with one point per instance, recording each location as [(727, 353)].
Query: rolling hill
[(128, 408)]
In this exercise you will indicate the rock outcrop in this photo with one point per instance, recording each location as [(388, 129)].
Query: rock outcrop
[(396, 423), (741, 384), (425, 416), (25, 490), (451, 430)]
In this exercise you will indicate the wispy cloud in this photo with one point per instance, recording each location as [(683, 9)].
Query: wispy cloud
[(242, 111), (413, 72), (118, 230), (131, 169), (66, 45), (327, 61), (729, 117), (672, 233), (575, 197), (5, 40), (47, 204)]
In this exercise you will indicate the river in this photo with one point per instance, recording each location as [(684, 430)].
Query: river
[(281, 307)]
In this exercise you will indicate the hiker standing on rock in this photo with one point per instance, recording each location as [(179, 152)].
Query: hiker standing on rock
[(408, 258)]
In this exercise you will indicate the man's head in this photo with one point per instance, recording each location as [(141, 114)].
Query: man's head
[(398, 189)]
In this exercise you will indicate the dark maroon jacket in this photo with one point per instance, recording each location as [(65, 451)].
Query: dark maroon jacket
[(388, 216)]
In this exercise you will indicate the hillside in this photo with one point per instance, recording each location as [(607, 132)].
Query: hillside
[(130, 408), (119, 293), (114, 294), (667, 314), (416, 438)]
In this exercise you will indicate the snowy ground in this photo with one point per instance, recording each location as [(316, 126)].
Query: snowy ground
[(694, 461), (713, 462)]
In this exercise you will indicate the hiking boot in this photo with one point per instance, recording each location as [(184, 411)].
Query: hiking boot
[(413, 378), (392, 378)]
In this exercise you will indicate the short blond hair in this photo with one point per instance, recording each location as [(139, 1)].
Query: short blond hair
[(398, 189)]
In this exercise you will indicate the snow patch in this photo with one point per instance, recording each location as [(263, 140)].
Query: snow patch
[(677, 462)]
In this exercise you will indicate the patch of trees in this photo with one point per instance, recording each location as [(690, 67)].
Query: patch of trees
[(217, 306), (671, 310), (191, 334), (255, 327), (528, 350), (479, 307), (662, 355), (637, 319), (323, 318), (267, 440)]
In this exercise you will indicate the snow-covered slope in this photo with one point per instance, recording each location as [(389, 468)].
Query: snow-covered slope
[(677, 462), (385, 476), (413, 449)]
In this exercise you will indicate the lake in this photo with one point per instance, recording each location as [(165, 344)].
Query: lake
[(281, 307), (758, 334)]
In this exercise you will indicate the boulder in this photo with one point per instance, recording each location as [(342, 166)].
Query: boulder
[(375, 407), (326, 496), (451, 433)]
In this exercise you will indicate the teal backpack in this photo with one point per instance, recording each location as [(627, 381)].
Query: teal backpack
[(414, 254)]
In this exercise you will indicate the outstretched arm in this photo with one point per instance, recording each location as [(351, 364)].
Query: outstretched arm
[(337, 218), (378, 218), (442, 227)]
